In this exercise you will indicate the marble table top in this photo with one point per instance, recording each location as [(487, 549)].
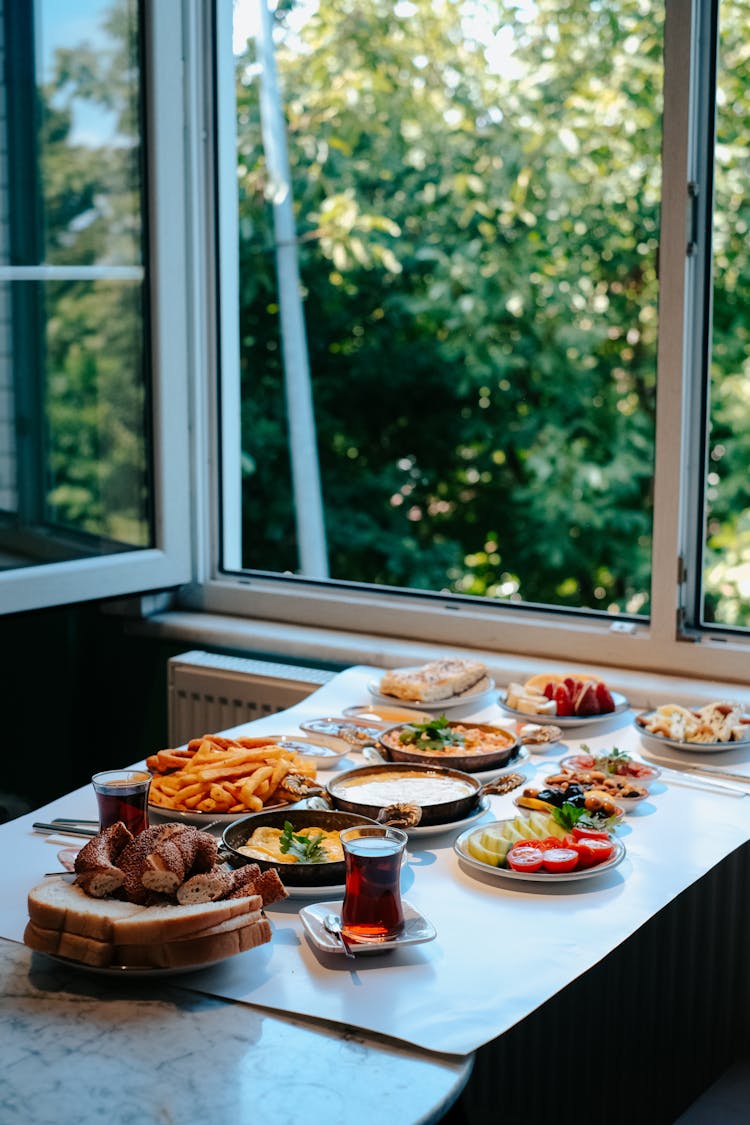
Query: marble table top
[(81, 1048)]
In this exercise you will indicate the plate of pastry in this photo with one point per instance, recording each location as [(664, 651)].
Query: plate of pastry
[(436, 686)]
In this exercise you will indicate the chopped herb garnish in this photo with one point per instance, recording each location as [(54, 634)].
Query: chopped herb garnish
[(436, 734), (610, 761), (307, 848), (570, 815)]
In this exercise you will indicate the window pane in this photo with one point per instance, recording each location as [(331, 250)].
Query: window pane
[(75, 476), (474, 191), (73, 132), (727, 562)]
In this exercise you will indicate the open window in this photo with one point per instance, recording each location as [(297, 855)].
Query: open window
[(86, 448), (465, 298)]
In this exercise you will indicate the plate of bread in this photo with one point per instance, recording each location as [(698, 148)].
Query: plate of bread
[(159, 902), (437, 685)]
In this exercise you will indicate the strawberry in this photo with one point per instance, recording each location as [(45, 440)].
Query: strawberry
[(604, 699), (585, 702), (549, 689), (572, 685), (563, 700)]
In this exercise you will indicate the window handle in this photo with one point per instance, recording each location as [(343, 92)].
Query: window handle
[(693, 193)]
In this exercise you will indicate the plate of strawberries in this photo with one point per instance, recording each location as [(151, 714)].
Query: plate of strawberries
[(566, 699)]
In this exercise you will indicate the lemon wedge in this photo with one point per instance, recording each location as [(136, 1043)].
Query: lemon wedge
[(477, 850)]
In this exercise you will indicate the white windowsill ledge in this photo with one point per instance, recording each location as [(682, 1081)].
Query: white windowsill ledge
[(337, 650)]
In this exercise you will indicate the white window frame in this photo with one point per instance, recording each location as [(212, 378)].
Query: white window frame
[(663, 644), (168, 563)]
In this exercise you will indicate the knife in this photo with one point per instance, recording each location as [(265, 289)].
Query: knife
[(65, 830), (707, 771)]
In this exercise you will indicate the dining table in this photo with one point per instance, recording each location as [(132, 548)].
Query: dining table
[(532, 997)]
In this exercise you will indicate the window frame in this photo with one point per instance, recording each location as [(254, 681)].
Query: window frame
[(168, 563), (671, 641)]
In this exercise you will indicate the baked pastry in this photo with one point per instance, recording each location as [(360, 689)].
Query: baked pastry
[(436, 680)]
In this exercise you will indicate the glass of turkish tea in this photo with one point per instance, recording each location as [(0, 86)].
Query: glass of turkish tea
[(372, 909), (122, 795)]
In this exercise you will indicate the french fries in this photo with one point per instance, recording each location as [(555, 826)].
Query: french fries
[(219, 775)]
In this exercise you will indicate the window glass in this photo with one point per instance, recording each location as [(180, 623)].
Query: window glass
[(727, 555), (75, 478), (448, 221)]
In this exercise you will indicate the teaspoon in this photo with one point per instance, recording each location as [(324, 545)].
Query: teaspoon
[(333, 924)]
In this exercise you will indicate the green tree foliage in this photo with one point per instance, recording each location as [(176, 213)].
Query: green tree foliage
[(93, 352), (478, 251)]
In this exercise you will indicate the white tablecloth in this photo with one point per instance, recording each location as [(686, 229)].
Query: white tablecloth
[(501, 950)]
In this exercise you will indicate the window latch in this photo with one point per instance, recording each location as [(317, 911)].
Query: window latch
[(692, 242)]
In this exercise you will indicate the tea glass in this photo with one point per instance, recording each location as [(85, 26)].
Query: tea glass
[(122, 795), (372, 910)]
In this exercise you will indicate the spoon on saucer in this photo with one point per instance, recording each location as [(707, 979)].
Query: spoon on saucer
[(332, 923)]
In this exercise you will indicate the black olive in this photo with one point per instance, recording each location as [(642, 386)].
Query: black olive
[(551, 796)]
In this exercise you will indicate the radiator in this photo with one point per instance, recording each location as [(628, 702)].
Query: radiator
[(209, 692)]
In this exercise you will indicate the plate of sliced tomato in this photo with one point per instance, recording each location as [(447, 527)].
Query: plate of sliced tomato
[(581, 854)]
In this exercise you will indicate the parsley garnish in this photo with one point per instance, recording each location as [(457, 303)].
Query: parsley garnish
[(570, 815), (608, 762), (306, 848), (435, 734)]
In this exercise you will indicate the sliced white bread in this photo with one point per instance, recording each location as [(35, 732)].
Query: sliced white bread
[(57, 904), (171, 921), (129, 950), (87, 950), (230, 937), (213, 945)]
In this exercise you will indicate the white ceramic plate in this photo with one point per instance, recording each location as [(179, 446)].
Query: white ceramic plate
[(417, 929), (691, 747), (483, 693), (433, 829), (566, 721), (341, 732), (507, 873), (385, 714), (157, 814), (654, 774), (615, 823), (518, 762), (131, 971), (313, 892), (321, 754)]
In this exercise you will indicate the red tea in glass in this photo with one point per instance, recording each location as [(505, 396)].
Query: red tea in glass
[(123, 795), (372, 909)]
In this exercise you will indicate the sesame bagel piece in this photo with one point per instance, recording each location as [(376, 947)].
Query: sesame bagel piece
[(96, 866)]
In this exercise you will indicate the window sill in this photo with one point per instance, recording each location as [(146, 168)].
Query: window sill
[(337, 649)]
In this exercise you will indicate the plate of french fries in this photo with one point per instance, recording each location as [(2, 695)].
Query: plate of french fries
[(709, 729), (222, 779)]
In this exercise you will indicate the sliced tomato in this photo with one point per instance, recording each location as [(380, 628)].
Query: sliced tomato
[(593, 851), (549, 842), (560, 859), (582, 762), (581, 833), (525, 857)]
